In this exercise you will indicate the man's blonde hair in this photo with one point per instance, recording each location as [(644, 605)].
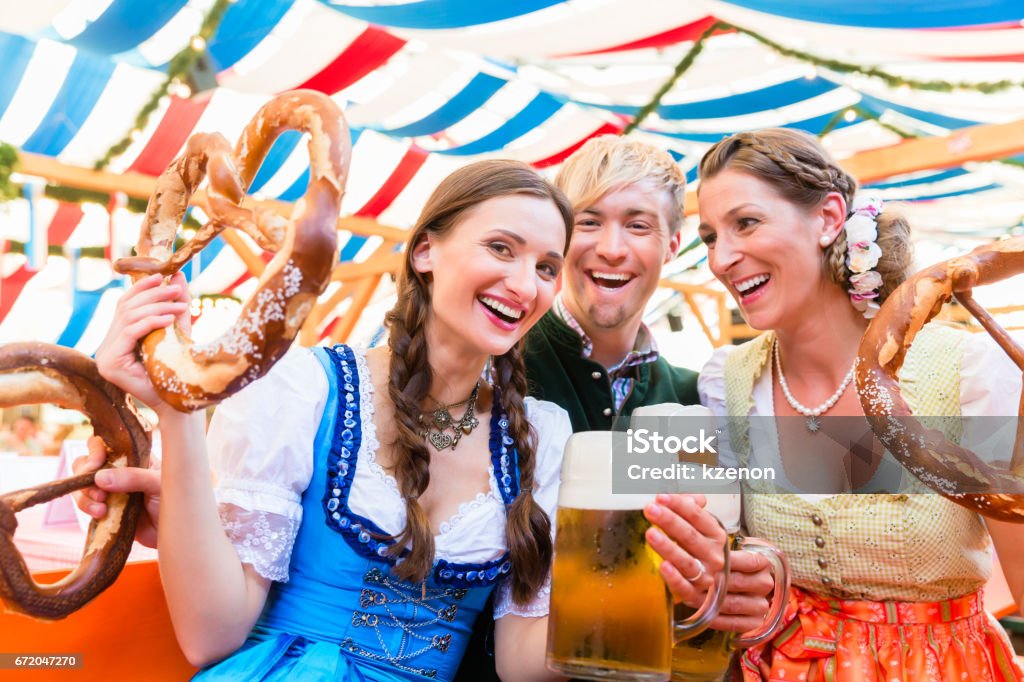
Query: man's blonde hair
[(608, 163)]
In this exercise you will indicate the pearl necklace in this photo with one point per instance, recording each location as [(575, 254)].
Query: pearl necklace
[(812, 413)]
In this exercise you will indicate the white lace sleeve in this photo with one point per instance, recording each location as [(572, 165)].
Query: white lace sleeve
[(990, 389), (553, 430), (261, 449)]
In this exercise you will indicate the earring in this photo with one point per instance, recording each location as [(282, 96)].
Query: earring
[(825, 240)]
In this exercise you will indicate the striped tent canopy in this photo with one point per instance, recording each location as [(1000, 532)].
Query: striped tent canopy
[(429, 85)]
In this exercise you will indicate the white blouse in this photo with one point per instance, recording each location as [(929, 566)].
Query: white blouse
[(261, 447), (990, 386)]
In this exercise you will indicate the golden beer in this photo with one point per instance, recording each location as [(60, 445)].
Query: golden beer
[(611, 614), (705, 657), (610, 603)]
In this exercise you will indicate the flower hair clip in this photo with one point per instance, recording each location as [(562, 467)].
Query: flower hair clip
[(863, 253)]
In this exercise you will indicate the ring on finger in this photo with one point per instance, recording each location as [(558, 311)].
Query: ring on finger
[(700, 571)]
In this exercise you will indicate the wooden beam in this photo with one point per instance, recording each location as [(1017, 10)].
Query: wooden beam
[(360, 299), (310, 333), (46, 167), (692, 302), (686, 287), (690, 292), (142, 186), (380, 263), (253, 263), (725, 335), (975, 143), (743, 331)]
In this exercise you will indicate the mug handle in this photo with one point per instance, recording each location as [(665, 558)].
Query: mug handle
[(780, 597), (698, 622)]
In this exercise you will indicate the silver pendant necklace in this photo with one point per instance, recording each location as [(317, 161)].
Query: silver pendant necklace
[(812, 413), (437, 422)]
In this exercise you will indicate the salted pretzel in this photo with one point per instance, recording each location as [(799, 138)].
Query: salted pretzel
[(953, 471), (44, 373), (189, 376)]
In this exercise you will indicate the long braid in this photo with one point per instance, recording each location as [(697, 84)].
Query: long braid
[(410, 375), (408, 385), (528, 529)]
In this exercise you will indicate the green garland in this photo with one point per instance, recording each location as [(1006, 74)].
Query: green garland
[(838, 66), (58, 250), (890, 79), (76, 195), (15, 246), (180, 65), (867, 115), (8, 164), (682, 67)]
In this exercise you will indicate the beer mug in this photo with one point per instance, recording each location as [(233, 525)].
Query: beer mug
[(706, 656), (611, 614)]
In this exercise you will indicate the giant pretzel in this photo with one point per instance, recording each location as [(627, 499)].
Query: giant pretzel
[(187, 375), (44, 373), (951, 470)]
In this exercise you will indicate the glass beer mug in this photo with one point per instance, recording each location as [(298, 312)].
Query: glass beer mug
[(611, 614), (706, 656)]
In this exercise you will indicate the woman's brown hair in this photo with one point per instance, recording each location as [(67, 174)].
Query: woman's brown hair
[(798, 167), (528, 529)]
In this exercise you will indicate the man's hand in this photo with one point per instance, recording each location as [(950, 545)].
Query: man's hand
[(124, 480)]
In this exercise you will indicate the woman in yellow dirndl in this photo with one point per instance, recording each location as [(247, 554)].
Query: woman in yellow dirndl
[(887, 585)]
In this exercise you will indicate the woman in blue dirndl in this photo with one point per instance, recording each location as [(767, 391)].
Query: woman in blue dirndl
[(366, 505)]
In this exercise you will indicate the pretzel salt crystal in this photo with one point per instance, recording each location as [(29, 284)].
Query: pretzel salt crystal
[(190, 376)]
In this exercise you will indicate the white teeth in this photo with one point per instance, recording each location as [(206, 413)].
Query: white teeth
[(749, 284), (617, 276), (501, 307)]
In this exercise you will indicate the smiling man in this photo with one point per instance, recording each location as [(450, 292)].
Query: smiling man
[(592, 354)]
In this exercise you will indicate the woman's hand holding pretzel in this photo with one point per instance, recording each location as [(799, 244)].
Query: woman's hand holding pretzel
[(147, 306)]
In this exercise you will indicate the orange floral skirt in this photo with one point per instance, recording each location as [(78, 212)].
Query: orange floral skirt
[(832, 640)]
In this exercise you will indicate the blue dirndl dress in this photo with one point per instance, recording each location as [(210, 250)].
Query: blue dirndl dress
[(342, 615)]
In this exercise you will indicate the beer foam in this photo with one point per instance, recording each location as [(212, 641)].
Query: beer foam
[(587, 480), (587, 474), (673, 410)]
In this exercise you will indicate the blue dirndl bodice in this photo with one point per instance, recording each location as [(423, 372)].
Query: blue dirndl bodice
[(342, 615)]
